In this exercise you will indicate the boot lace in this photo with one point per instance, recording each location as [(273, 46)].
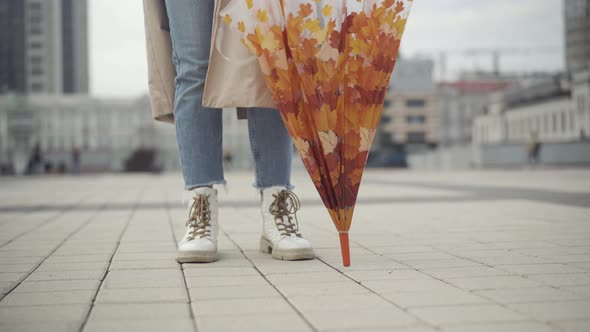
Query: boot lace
[(199, 218), (284, 209)]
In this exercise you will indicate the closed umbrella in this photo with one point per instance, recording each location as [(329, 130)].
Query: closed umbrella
[(327, 65)]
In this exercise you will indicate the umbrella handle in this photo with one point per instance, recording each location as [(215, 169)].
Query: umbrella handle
[(345, 248)]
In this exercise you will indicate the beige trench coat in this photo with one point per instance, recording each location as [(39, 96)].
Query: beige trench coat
[(161, 70), (228, 84)]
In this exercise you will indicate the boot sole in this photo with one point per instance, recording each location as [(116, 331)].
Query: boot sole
[(196, 257), (285, 255)]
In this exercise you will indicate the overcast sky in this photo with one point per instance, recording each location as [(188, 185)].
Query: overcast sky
[(117, 45)]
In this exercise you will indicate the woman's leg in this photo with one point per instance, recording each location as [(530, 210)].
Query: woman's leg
[(272, 148), (198, 129)]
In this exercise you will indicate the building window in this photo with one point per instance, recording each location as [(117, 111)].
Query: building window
[(387, 103), (386, 119), (563, 122), (415, 103), (581, 104), (37, 71), (554, 123), (35, 6), (36, 45), (36, 87), (416, 137), (415, 119), (35, 19)]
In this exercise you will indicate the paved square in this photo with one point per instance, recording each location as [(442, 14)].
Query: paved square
[(431, 251)]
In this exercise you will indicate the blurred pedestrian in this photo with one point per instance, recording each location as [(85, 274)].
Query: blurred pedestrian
[(533, 149), (179, 33), (76, 161)]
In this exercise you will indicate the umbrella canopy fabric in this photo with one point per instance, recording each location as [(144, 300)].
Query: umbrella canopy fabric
[(327, 65)]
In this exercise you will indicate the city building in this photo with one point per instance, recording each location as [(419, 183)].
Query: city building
[(44, 46), (581, 101), (104, 132), (543, 112), (577, 34), (409, 120), (459, 102)]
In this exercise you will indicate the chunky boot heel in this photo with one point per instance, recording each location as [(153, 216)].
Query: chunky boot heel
[(265, 245), (280, 230)]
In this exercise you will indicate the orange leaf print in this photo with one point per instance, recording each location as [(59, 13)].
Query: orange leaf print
[(241, 26), (399, 7), (388, 3), (250, 3), (305, 10), (329, 141), (327, 11), (227, 19), (262, 16), (367, 136)]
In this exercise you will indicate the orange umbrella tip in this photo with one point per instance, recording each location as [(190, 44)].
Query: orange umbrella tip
[(345, 248)]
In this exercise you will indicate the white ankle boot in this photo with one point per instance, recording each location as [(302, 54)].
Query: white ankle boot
[(199, 244), (280, 229)]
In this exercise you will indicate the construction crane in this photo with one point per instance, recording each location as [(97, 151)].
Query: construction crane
[(493, 53)]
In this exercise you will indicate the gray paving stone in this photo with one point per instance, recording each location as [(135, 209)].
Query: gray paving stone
[(322, 289), (493, 282), (390, 317), (527, 269), (211, 271), (560, 280), (5, 276), (504, 327), (581, 291), (463, 272), (465, 314), (48, 298), (288, 322), (342, 303), (407, 285), (148, 278), (447, 296), (140, 311), (232, 292), (142, 256), (549, 311), (217, 281), (152, 325), (225, 307), (386, 275), (142, 295), (60, 313), (306, 278), (26, 326), (66, 275), (439, 263), (57, 285), (572, 326), (5, 260), (54, 259), (533, 294), (17, 268), (144, 264), (77, 266)]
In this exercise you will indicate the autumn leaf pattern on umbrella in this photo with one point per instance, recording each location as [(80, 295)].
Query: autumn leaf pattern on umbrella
[(327, 65)]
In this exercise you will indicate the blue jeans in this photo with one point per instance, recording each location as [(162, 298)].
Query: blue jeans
[(199, 129)]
